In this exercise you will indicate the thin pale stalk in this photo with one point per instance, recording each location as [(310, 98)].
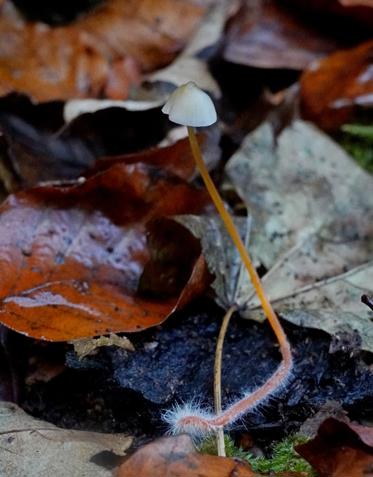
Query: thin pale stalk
[(217, 378)]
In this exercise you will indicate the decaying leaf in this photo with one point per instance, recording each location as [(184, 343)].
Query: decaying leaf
[(331, 93), (312, 215), (267, 35), (83, 348), (99, 54), (176, 456), (72, 257), (230, 277), (353, 12), (340, 449), (187, 66), (34, 448), (76, 107)]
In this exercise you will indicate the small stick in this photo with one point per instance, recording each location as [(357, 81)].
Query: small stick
[(217, 378)]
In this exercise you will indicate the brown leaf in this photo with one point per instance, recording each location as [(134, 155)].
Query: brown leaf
[(176, 158), (340, 449), (330, 92), (176, 457), (72, 257), (269, 35), (100, 54), (355, 12)]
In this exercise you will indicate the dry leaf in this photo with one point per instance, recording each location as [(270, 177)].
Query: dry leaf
[(73, 257), (331, 93), (312, 216), (34, 448), (84, 348), (177, 457), (223, 261)]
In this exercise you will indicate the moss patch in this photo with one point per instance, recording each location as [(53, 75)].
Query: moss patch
[(357, 139), (283, 457)]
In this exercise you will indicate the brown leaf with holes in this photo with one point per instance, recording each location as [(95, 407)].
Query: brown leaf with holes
[(177, 457), (332, 92), (102, 53), (269, 35), (340, 449), (72, 258)]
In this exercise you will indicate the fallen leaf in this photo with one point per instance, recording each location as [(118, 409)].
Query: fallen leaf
[(40, 148), (223, 261), (331, 94), (34, 448), (94, 55), (354, 13), (83, 348), (176, 158), (189, 66), (269, 35), (312, 215), (176, 456), (340, 449), (72, 257), (76, 107)]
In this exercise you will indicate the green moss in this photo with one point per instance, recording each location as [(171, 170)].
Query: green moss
[(283, 457), (357, 139), (208, 446)]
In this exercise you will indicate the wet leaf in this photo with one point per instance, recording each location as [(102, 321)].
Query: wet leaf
[(94, 55), (340, 448), (331, 94), (34, 448), (176, 456), (267, 35), (72, 257), (176, 158)]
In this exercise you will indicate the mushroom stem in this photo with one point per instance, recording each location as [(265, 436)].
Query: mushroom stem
[(231, 228)]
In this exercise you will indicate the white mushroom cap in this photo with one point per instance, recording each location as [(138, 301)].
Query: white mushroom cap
[(188, 105)]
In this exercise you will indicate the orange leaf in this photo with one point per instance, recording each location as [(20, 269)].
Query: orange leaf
[(176, 457), (330, 91), (72, 257), (100, 54)]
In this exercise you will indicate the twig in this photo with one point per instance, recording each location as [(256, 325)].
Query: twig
[(217, 377)]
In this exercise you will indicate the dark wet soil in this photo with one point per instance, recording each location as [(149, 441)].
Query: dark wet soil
[(116, 391)]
